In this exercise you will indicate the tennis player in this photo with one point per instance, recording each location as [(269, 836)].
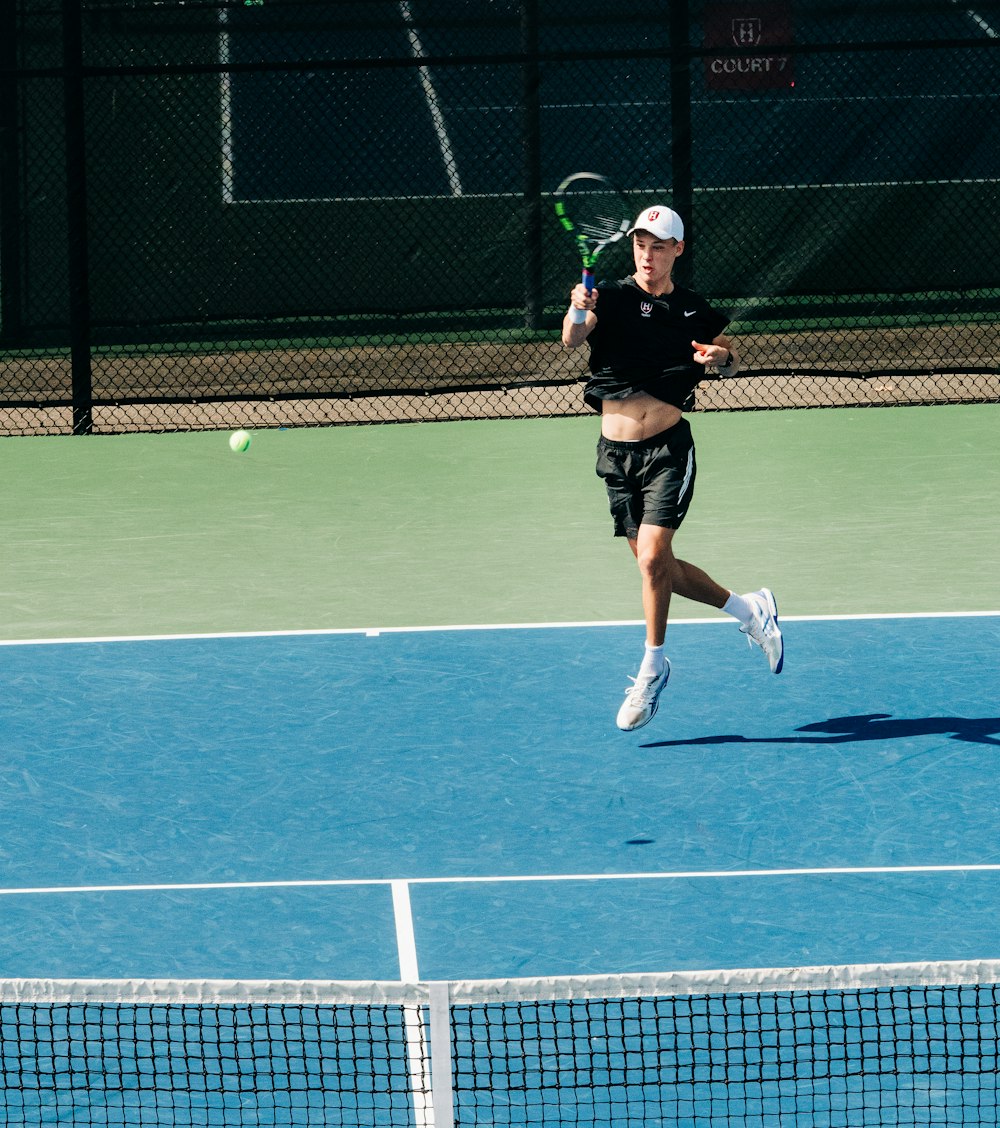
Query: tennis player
[(651, 342)]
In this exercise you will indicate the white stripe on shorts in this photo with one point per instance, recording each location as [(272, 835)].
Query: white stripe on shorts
[(686, 484)]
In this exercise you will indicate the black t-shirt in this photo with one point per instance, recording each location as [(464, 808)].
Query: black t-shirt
[(642, 343)]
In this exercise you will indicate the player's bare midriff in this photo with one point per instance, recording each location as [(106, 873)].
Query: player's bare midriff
[(637, 417)]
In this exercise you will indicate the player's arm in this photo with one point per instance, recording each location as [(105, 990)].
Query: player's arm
[(721, 354), (580, 318)]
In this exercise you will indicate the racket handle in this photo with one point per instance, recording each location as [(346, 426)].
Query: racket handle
[(588, 280)]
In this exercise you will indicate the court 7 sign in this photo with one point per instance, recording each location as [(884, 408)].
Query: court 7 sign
[(762, 26)]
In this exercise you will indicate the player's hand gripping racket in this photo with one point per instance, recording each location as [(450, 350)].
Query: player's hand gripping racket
[(595, 213)]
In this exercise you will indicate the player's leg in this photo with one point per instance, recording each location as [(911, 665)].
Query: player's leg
[(756, 611), (652, 548), (668, 472), (658, 480), (695, 584)]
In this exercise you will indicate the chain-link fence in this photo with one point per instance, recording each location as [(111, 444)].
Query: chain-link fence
[(287, 212)]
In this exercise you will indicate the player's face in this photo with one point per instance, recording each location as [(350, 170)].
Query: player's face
[(654, 260)]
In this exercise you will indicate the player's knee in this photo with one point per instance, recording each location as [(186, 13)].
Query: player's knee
[(655, 563)]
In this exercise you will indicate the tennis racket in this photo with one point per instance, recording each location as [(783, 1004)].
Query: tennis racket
[(595, 213)]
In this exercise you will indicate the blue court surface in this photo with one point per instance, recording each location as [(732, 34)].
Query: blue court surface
[(261, 806)]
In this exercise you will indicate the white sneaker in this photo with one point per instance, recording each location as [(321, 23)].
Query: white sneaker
[(641, 700), (764, 629)]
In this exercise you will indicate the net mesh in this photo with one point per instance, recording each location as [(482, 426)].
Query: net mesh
[(836, 1058), (836, 1046), (204, 1064)]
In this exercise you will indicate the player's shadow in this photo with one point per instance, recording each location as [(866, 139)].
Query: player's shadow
[(867, 726)]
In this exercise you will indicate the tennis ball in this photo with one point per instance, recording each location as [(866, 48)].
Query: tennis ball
[(239, 440)]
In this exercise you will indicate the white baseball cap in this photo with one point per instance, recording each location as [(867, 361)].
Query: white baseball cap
[(660, 221)]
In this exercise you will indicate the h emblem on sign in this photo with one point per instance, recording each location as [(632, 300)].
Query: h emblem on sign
[(747, 31)]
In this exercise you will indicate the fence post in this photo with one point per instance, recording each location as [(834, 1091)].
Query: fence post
[(76, 215), (680, 130), (532, 165), (10, 182)]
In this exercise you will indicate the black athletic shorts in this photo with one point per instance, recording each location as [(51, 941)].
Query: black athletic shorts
[(649, 481)]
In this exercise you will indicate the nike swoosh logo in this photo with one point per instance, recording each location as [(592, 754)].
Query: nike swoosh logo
[(691, 313)]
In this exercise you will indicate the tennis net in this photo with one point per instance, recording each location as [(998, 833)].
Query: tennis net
[(862, 1045)]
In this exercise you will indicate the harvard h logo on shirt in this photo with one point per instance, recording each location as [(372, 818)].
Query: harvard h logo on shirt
[(646, 308)]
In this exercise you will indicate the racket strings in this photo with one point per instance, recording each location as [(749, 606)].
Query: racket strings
[(603, 227), (593, 211), (599, 217)]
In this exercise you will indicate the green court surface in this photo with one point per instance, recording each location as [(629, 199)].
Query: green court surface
[(839, 511)]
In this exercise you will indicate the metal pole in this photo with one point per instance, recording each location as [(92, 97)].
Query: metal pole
[(10, 182), (680, 130), (531, 77), (76, 215)]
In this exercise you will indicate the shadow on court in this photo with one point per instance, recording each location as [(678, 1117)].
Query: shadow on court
[(867, 726)]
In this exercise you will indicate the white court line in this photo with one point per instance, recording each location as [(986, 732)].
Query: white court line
[(400, 886), (421, 1085), (979, 21), (374, 632), (406, 943), (433, 102)]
